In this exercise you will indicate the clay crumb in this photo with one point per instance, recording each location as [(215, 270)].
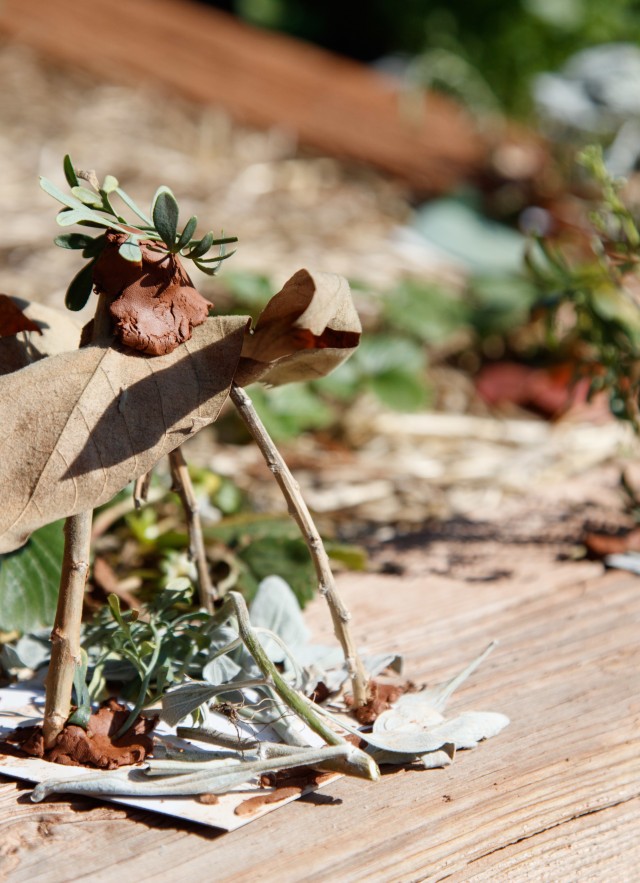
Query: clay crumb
[(208, 799), (382, 698), (254, 804), (95, 746)]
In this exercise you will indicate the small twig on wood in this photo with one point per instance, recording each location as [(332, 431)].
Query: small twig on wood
[(299, 511), (184, 488), (65, 637)]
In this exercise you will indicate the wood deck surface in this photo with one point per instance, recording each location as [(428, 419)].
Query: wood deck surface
[(554, 797)]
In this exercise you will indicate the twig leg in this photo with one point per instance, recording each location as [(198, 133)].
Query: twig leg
[(65, 637), (299, 511), (183, 487)]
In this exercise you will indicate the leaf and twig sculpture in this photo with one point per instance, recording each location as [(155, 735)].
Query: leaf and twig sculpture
[(154, 368)]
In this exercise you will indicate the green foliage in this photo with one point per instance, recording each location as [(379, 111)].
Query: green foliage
[(503, 42), (29, 581), (589, 302), (90, 205)]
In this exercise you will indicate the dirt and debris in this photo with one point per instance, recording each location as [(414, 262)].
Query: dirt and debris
[(382, 697), (95, 746)]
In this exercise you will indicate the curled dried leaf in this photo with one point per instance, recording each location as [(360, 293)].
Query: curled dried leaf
[(45, 331), (306, 330), (155, 304), (13, 319)]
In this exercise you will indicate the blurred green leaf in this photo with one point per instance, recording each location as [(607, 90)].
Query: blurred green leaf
[(110, 184), (29, 581), (74, 241), (187, 233), (130, 250), (202, 247), (87, 197)]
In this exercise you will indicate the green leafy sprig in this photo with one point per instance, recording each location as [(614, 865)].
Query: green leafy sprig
[(90, 204)]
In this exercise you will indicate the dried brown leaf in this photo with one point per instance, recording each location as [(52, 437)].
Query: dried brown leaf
[(306, 330), (44, 332), (155, 306), (12, 318), (78, 427)]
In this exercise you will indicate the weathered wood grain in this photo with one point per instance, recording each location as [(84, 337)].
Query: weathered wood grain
[(554, 797), (260, 77)]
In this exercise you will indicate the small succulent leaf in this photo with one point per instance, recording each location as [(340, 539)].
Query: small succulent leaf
[(202, 247), (221, 257), (73, 240), (130, 250), (110, 184), (70, 172), (187, 234), (87, 197), (57, 194), (124, 196), (165, 216), (80, 288)]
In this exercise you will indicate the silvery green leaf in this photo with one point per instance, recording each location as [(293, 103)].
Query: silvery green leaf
[(29, 651), (414, 715), (187, 233), (57, 194), (124, 196), (110, 184), (276, 608), (180, 701), (86, 196), (221, 670), (130, 250), (432, 760), (471, 727), (202, 247), (73, 240)]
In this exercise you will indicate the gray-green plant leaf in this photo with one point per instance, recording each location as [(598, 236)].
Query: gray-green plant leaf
[(165, 216), (187, 234), (86, 196), (124, 196), (80, 288), (29, 581), (275, 607), (130, 250), (74, 241), (202, 247), (110, 184), (70, 172)]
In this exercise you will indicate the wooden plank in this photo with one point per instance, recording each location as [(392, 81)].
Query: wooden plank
[(264, 79), (541, 801)]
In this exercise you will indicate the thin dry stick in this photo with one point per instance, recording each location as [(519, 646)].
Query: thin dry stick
[(299, 511), (65, 637), (183, 487)]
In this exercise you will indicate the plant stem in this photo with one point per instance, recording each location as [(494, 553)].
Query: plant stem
[(184, 488), (299, 511), (65, 637), (357, 763)]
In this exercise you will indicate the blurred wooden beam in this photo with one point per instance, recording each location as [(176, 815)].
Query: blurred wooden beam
[(337, 106)]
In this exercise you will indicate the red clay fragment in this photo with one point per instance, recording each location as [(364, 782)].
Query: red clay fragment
[(382, 696), (155, 305), (599, 545), (94, 747), (13, 320), (254, 804)]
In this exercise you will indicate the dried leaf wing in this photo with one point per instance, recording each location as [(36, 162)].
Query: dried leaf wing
[(306, 330), (39, 331), (79, 426)]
